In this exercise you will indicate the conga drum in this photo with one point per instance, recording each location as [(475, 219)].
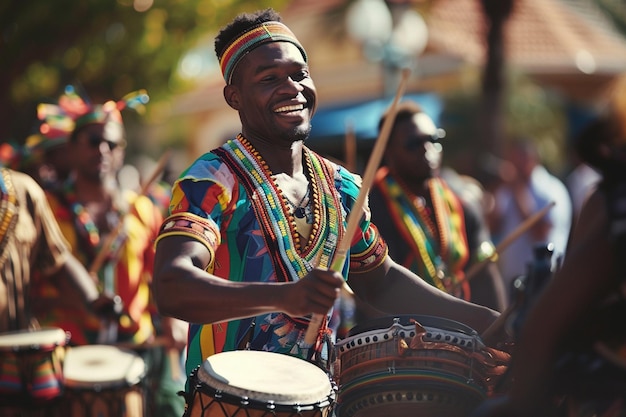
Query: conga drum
[(31, 368), (414, 366), (259, 384), (103, 381)]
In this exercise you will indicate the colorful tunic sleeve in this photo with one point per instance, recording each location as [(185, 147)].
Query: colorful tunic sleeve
[(199, 198), (52, 248), (368, 249)]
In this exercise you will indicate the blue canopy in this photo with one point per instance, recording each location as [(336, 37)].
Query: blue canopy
[(331, 122)]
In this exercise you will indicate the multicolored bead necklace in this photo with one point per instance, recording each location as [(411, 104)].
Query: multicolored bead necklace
[(440, 243), (85, 225), (278, 221), (8, 211)]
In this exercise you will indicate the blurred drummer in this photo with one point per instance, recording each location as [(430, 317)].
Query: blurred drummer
[(32, 243), (430, 227), (246, 252), (112, 232)]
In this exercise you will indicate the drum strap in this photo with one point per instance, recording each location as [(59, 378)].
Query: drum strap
[(322, 351)]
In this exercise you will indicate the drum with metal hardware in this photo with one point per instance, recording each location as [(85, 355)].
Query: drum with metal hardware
[(414, 365), (259, 384)]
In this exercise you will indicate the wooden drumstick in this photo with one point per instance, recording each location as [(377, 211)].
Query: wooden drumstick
[(522, 228), (350, 148), (498, 323), (501, 320), (106, 246), (355, 213)]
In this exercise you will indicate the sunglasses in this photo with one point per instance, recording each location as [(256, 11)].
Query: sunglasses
[(95, 140), (417, 141)]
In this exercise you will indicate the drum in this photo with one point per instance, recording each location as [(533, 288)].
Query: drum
[(31, 366), (414, 365), (259, 384), (103, 381)]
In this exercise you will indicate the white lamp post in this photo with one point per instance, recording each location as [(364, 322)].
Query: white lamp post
[(392, 34)]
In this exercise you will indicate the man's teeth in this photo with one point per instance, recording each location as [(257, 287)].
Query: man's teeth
[(289, 108)]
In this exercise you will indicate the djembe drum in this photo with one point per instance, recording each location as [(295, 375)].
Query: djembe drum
[(31, 371), (103, 381), (414, 366), (259, 384)]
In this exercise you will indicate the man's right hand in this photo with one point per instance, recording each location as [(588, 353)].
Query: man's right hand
[(107, 306), (314, 293)]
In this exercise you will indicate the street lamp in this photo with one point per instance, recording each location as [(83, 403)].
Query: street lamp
[(390, 33)]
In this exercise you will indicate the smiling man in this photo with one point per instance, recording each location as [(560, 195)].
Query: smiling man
[(254, 225)]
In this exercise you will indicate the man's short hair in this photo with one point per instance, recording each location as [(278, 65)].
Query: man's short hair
[(405, 110), (241, 24)]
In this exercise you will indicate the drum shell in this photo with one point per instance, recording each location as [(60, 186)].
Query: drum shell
[(413, 365), (31, 366)]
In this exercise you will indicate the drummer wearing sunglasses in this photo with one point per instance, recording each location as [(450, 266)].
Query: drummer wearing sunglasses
[(431, 228)]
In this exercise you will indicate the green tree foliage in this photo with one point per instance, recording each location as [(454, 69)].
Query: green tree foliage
[(107, 47)]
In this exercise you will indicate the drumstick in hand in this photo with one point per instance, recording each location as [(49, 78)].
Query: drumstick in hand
[(516, 233), (355, 213), (501, 320), (107, 245)]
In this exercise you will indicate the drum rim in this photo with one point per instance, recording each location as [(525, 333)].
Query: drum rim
[(25, 339), (472, 342), (403, 319), (135, 360), (201, 387), (283, 398)]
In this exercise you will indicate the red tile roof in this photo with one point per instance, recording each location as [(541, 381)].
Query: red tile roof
[(541, 36)]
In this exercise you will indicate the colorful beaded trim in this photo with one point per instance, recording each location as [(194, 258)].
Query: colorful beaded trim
[(191, 225), (8, 212), (291, 260), (256, 36), (372, 258), (440, 245)]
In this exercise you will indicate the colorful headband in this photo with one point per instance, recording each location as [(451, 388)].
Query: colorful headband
[(10, 155), (110, 112), (73, 111), (258, 35)]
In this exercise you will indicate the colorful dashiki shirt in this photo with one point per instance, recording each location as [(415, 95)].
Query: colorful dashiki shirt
[(127, 271), (227, 200), (436, 251)]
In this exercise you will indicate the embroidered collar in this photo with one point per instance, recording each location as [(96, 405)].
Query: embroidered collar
[(277, 220)]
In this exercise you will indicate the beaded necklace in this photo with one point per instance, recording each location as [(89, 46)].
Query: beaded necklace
[(275, 218), (85, 226), (303, 209), (440, 244), (8, 212)]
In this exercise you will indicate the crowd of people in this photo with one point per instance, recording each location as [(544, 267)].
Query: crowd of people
[(243, 252)]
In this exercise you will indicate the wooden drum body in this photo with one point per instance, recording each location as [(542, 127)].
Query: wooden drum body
[(259, 384), (414, 366), (31, 366)]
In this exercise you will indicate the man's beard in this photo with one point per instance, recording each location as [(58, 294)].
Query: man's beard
[(299, 134)]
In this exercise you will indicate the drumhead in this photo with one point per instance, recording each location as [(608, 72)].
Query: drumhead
[(410, 319), (102, 365), (265, 377), (46, 338)]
